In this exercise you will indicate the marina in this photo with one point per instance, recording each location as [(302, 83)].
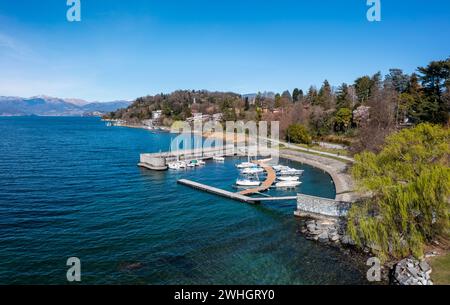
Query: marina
[(280, 177)]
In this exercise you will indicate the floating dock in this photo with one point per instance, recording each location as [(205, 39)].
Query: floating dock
[(216, 191), (231, 195)]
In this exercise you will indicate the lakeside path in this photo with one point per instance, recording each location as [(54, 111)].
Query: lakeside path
[(308, 150)]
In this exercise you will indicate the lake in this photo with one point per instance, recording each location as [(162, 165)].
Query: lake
[(71, 187)]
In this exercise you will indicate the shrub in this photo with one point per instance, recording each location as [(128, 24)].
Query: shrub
[(409, 183), (298, 133)]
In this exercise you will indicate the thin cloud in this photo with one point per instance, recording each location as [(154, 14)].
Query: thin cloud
[(14, 48)]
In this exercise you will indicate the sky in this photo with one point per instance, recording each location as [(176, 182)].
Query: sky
[(126, 49)]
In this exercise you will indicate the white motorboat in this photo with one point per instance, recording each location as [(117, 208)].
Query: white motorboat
[(201, 162), (252, 170), (218, 158), (181, 164), (247, 182), (173, 165), (288, 178), (246, 165), (287, 184), (278, 168), (291, 171), (190, 164)]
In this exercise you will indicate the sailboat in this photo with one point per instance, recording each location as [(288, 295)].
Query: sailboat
[(246, 164), (252, 170), (247, 180)]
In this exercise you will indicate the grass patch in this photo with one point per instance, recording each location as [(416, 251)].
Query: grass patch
[(317, 154), (441, 269), (342, 152)]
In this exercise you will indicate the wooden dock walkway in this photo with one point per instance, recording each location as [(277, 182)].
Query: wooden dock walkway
[(270, 179), (231, 195)]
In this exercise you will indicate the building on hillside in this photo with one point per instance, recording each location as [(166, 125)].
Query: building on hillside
[(217, 117), (156, 114)]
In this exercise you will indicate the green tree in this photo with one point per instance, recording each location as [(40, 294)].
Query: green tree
[(342, 119), (398, 80), (287, 96), (343, 99), (312, 96), (295, 95), (246, 104), (298, 133), (362, 88), (325, 98), (277, 100), (435, 77), (409, 183)]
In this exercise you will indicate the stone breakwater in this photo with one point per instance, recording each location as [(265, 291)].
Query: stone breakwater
[(410, 271)]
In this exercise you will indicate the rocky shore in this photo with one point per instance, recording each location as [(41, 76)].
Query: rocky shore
[(411, 271), (331, 231)]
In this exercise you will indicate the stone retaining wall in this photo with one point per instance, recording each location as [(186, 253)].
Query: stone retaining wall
[(310, 205)]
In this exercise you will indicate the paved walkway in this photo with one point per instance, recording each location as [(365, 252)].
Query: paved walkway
[(293, 146)]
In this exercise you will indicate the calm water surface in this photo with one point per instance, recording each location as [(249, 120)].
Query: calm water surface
[(71, 187)]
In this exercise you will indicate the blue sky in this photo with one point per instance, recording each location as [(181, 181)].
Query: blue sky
[(125, 49)]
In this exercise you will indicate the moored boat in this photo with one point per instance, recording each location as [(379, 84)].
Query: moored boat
[(291, 171), (246, 165), (173, 165), (288, 178), (218, 158), (287, 184), (247, 182), (252, 170)]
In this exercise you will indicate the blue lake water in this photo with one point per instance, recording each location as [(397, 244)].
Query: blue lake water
[(71, 187)]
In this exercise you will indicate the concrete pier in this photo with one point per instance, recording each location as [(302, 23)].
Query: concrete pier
[(158, 161)]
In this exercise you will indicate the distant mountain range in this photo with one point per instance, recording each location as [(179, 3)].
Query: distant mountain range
[(53, 106), (266, 94)]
